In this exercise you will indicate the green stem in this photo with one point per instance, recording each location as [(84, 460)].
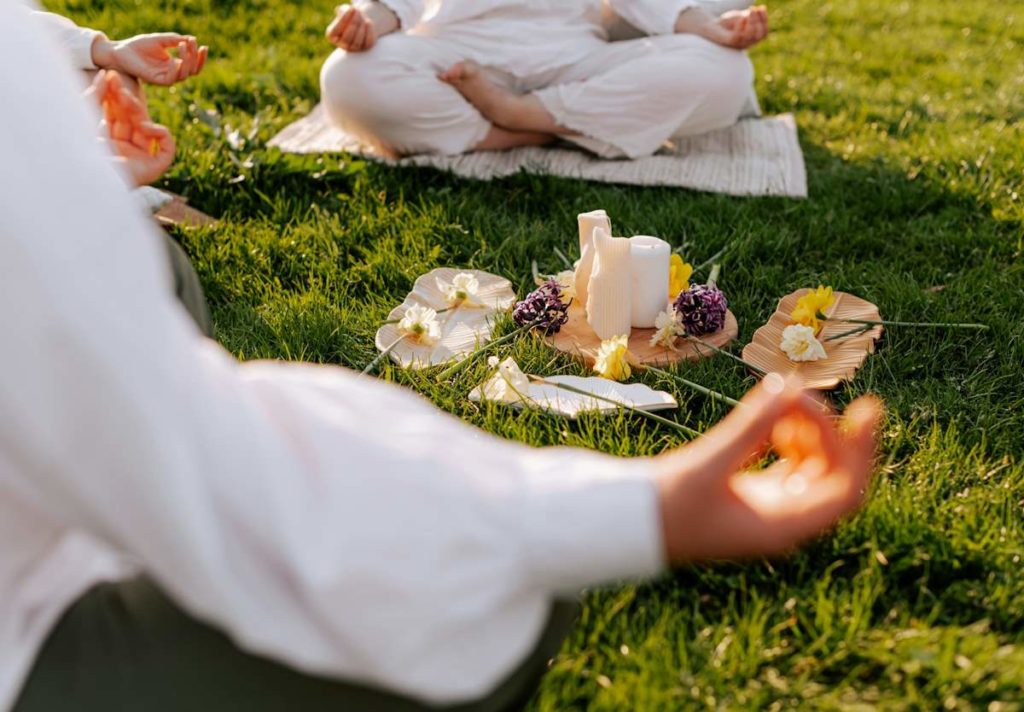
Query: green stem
[(647, 414), (438, 311), (695, 386), (383, 355), (851, 332), (562, 257), (711, 260), (931, 324), (734, 357), (713, 277), (459, 365)]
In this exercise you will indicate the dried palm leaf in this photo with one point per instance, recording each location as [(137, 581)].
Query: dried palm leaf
[(845, 355), (463, 328)]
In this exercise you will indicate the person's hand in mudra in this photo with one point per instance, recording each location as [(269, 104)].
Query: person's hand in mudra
[(162, 59), (738, 29), (713, 508), (357, 28), (145, 149)]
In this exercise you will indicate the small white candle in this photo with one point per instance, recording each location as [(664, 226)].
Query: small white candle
[(649, 263), (587, 224), (608, 298)]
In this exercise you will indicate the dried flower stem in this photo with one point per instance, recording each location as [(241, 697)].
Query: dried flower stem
[(383, 355), (717, 350), (713, 277), (721, 397), (625, 406), (561, 256), (927, 324)]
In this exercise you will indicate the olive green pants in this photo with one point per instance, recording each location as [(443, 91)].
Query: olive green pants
[(187, 287), (126, 647)]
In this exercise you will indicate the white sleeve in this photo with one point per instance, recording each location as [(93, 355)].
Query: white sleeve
[(325, 519), (77, 41), (652, 17), (409, 12)]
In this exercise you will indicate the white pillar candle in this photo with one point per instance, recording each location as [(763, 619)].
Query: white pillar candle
[(585, 267), (649, 264), (609, 311)]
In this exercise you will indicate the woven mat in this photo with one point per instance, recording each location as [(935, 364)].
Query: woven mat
[(755, 157)]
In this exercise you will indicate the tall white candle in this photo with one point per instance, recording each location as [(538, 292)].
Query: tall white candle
[(608, 300), (649, 264), (587, 223)]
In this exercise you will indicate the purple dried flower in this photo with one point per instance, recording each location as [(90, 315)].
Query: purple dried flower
[(543, 308), (701, 309)]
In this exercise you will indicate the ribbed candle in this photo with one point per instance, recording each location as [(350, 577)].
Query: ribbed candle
[(609, 305), (649, 265), (587, 223)]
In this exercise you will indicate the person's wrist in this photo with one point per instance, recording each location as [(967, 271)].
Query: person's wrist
[(104, 55), (385, 20)]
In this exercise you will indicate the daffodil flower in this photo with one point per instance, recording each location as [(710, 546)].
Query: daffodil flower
[(462, 290), (508, 384), (613, 358), (679, 273), (811, 307), (420, 324), (800, 344), (666, 329)]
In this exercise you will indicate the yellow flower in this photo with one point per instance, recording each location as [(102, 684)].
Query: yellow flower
[(679, 273), (613, 359), (810, 305)]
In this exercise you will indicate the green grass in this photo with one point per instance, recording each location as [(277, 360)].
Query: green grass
[(912, 118)]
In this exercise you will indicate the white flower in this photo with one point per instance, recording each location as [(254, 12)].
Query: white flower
[(567, 281), (420, 324), (507, 385), (461, 291), (800, 344), (666, 329), (612, 360)]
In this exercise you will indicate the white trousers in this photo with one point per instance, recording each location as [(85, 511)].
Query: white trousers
[(624, 99)]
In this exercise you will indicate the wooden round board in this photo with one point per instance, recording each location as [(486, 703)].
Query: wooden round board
[(578, 339)]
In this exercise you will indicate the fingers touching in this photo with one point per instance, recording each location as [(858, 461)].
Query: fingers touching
[(351, 30)]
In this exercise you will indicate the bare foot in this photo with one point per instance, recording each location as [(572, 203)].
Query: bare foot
[(738, 29), (515, 112)]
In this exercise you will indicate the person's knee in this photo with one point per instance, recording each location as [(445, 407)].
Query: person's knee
[(349, 89)]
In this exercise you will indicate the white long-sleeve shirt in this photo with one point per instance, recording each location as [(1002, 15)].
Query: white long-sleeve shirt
[(77, 41), (325, 519), (529, 37)]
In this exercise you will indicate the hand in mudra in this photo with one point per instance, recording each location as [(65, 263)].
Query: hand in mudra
[(352, 30), (145, 149), (150, 58), (713, 508), (738, 29)]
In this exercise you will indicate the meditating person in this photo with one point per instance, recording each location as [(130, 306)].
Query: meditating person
[(145, 58), (452, 76), (179, 531), (142, 149)]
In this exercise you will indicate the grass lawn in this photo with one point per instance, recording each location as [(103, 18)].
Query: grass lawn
[(912, 119)]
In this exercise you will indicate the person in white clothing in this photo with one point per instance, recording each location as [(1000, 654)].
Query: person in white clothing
[(306, 534), (453, 76), (146, 58)]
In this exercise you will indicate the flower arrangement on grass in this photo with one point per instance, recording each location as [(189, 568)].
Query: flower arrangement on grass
[(800, 341)]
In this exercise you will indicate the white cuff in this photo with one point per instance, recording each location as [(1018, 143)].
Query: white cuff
[(80, 45), (408, 13), (652, 17), (593, 519)]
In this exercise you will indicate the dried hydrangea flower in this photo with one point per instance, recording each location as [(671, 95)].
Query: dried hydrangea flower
[(543, 308), (702, 309)]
